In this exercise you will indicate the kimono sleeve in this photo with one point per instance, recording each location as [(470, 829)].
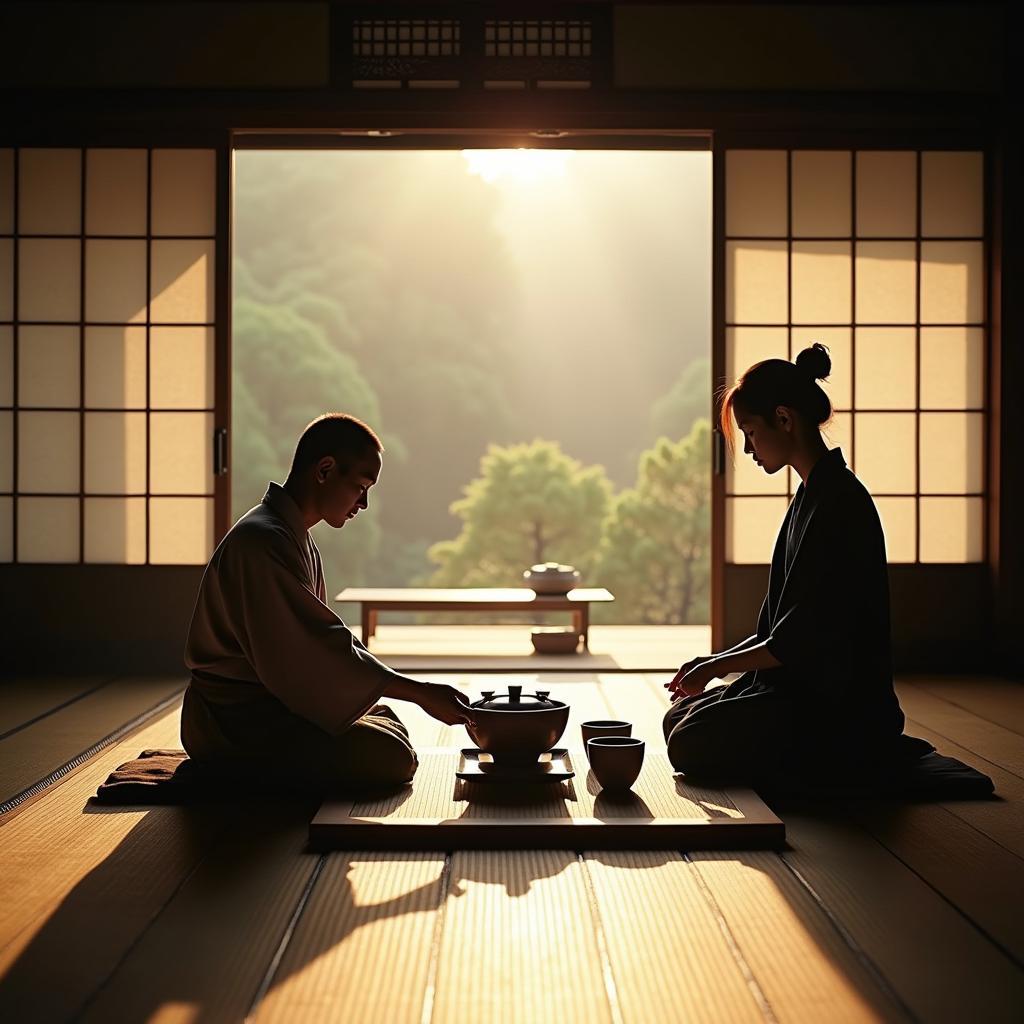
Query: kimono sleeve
[(300, 649)]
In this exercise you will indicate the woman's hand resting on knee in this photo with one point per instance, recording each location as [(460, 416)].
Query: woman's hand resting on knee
[(692, 677)]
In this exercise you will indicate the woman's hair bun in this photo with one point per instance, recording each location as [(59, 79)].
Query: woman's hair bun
[(815, 361)]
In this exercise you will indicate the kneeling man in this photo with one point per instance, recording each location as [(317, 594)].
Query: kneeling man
[(280, 686)]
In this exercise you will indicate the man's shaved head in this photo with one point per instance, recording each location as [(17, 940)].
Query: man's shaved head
[(338, 435)]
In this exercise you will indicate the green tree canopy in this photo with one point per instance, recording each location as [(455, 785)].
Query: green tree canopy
[(655, 553), (531, 503)]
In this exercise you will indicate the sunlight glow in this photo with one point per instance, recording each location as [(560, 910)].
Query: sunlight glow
[(525, 166)]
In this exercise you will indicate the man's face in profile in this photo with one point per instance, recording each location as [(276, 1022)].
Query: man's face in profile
[(344, 490)]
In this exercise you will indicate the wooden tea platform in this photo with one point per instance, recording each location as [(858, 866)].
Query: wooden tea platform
[(871, 912), (442, 812)]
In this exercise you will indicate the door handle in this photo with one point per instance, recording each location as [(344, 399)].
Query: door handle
[(220, 451), (717, 452)]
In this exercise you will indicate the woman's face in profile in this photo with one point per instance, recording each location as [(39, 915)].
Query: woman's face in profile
[(766, 443)]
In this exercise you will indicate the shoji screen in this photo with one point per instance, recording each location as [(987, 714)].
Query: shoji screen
[(880, 255), (106, 355)]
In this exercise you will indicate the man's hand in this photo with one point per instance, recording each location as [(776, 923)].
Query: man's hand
[(692, 677), (445, 703)]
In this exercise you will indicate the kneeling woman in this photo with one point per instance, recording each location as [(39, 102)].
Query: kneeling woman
[(816, 697)]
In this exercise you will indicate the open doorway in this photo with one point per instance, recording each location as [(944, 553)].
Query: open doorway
[(529, 331)]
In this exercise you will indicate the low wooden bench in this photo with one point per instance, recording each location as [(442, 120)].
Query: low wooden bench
[(479, 599)]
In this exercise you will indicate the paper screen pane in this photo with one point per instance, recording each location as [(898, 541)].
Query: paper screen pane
[(181, 287), (899, 524), (952, 367), (184, 192), (6, 452), (6, 279), (952, 195), (6, 529), (755, 190), (115, 530), (6, 366), (952, 453), (115, 453), (952, 283), (115, 281), (751, 526), (49, 284), (182, 367), (181, 453), (756, 282), (115, 367), (886, 367), (886, 194), (180, 531), (821, 193), (6, 191), (885, 452), (821, 283), (48, 529), (952, 530), (48, 452), (115, 192), (50, 192), (886, 283), (48, 367)]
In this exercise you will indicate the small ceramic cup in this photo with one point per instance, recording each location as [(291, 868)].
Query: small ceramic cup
[(616, 760), (604, 727)]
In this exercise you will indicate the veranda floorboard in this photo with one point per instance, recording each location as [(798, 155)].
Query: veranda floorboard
[(998, 700), (362, 949), (998, 745), (79, 886), (935, 961), (519, 942), (208, 950), (671, 956), (33, 752), (24, 700)]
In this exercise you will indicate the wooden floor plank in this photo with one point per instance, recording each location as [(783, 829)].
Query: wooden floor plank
[(998, 700), (519, 942), (996, 744), (32, 753), (1000, 818), (207, 953), (974, 873), (23, 700), (362, 947), (799, 961), (80, 885), (941, 967), (653, 901)]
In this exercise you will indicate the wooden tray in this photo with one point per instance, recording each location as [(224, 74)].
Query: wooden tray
[(477, 766), (441, 812)]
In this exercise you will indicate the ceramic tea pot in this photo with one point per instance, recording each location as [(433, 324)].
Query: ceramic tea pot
[(516, 728)]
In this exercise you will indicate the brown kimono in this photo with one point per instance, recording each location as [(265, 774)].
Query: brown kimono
[(278, 680)]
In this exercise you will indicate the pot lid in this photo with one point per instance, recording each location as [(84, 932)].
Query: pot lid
[(516, 700)]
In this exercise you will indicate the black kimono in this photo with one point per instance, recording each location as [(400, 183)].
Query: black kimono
[(830, 708)]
